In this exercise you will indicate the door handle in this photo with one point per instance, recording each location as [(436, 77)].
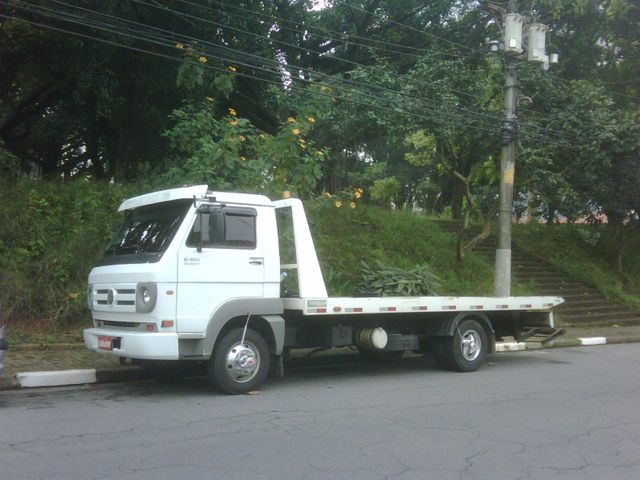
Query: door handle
[(256, 261)]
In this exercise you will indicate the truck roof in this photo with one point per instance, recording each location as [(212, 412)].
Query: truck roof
[(197, 191)]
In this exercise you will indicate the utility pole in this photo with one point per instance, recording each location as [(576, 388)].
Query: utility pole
[(513, 49), (502, 279)]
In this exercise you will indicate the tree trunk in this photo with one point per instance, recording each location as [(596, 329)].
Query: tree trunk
[(457, 194), (621, 246)]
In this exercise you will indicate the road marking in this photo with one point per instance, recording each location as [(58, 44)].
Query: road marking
[(593, 341)]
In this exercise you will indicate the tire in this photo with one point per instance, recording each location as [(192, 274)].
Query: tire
[(380, 356), (465, 351), (436, 347), (237, 369)]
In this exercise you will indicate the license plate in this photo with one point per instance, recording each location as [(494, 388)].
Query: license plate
[(105, 343)]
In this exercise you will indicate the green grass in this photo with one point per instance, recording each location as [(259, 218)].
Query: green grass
[(586, 253), (346, 237)]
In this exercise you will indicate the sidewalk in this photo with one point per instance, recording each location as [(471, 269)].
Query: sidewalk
[(63, 357)]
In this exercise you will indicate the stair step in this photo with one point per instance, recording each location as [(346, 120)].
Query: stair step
[(546, 275), (535, 265), (587, 309), (560, 285), (613, 316), (566, 291), (581, 302), (538, 267), (593, 322)]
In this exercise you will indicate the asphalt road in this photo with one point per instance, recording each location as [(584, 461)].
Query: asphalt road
[(565, 413)]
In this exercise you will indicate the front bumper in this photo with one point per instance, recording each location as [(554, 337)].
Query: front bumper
[(146, 345)]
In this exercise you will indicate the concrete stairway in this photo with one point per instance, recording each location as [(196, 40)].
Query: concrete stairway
[(584, 305)]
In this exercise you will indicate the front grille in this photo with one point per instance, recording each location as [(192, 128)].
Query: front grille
[(117, 299)]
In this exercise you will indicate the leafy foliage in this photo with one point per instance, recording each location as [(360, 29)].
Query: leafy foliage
[(385, 280), (52, 233)]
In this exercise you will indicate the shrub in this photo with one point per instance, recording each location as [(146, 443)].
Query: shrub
[(386, 280), (52, 232)]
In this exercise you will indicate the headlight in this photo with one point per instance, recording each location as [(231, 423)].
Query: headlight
[(90, 297), (146, 294)]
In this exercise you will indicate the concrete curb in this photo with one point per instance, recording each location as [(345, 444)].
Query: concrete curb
[(55, 378), (133, 373), (59, 378)]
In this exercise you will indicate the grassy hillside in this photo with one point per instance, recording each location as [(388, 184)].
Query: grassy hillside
[(346, 237), (587, 253)]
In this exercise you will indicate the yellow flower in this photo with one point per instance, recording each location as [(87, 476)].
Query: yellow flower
[(179, 46), (211, 99), (233, 122), (357, 194), (327, 194), (286, 194), (231, 68), (202, 59), (359, 190), (311, 119), (232, 112), (338, 204), (296, 131), (243, 138), (353, 204), (291, 120), (243, 158), (301, 140)]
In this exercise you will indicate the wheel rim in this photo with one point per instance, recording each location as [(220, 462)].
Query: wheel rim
[(242, 362), (470, 345)]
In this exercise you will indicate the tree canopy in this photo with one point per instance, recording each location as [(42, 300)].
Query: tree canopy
[(397, 97)]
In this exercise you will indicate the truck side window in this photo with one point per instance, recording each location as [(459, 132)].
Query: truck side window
[(232, 228)]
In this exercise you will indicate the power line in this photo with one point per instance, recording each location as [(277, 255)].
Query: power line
[(109, 28), (241, 74), (349, 36), (246, 32), (347, 81), (345, 60), (455, 120), (409, 27)]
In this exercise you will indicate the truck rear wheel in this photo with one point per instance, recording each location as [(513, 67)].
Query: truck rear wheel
[(239, 367), (465, 351)]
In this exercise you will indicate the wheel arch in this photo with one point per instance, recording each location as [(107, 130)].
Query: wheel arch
[(264, 314)]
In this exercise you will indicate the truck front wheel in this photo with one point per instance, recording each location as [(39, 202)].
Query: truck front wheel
[(465, 351), (239, 367)]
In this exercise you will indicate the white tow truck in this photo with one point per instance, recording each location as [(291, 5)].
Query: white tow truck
[(197, 275)]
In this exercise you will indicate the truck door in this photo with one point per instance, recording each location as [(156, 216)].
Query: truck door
[(227, 263)]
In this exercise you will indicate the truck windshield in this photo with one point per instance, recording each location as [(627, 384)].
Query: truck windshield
[(146, 233)]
